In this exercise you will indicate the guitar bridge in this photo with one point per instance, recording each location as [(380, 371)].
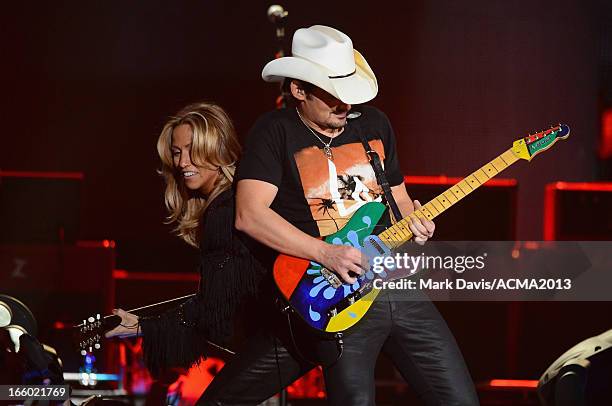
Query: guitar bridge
[(331, 277)]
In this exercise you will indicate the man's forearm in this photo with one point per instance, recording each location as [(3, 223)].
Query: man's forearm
[(404, 202), (269, 228)]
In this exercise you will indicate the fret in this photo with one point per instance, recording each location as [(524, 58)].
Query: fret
[(406, 233), (398, 233), (427, 213), (509, 157), (473, 181), (481, 176), (450, 197), (443, 200), (489, 170), (386, 237), (383, 237), (388, 241), (401, 231), (439, 206), (432, 209), (402, 227), (499, 164), (457, 192), (465, 188), (393, 234), (406, 225)]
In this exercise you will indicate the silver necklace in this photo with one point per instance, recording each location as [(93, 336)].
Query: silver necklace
[(326, 145)]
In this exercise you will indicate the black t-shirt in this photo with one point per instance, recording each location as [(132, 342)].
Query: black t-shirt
[(315, 194)]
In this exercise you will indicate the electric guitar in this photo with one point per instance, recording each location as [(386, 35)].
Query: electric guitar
[(89, 335), (327, 304)]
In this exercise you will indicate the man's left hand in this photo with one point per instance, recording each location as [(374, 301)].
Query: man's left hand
[(421, 228)]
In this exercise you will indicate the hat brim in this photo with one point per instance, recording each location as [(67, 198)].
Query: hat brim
[(357, 88)]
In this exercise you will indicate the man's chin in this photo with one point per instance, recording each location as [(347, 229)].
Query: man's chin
[(337, 123)]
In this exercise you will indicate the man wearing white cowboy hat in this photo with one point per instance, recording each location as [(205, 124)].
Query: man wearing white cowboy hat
[(303, 174)]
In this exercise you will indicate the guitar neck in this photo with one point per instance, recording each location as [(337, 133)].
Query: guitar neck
[(399, 233)]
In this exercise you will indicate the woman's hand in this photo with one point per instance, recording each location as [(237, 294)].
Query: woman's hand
[(129, 326)]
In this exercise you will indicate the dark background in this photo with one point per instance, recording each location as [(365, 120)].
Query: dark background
[(87, 86)]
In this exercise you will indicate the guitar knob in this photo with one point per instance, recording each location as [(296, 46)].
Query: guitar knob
[(83, 352), (91, 319), (98, 316), (97, 346)]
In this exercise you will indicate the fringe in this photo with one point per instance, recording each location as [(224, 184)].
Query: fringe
[(229, 273), (168, 341), (230, 276)]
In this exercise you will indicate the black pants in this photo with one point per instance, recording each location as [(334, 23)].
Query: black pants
[(412, 334)]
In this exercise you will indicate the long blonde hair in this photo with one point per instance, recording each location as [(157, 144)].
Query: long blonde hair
[(214, 143)]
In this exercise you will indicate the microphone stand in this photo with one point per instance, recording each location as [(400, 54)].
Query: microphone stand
[(277, 15)]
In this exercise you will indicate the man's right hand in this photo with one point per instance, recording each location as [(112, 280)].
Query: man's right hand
[(255, 218), (347, 262)]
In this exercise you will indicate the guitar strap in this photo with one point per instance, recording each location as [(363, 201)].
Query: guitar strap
[(380, 176)]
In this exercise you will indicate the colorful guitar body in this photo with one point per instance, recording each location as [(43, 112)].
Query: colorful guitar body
[(311, 294), (326, 304)]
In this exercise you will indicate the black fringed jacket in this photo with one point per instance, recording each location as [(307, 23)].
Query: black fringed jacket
[(230, 275)]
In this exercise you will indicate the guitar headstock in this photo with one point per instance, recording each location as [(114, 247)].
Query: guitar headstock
[(90, 333), (533, 144)]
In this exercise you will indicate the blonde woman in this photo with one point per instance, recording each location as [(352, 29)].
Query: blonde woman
[(198, 149)]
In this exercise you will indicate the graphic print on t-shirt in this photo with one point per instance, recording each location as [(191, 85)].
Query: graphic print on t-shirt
[(335, 189)]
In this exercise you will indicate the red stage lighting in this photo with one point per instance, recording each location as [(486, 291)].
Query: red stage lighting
[(605, 147), (513, 383)]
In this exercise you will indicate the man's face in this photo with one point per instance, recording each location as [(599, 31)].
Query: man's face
[(324, 110)]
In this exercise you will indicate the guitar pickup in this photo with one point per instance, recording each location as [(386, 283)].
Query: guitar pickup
[(331, 277)]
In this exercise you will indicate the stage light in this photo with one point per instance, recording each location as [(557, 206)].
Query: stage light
[(605, 147)]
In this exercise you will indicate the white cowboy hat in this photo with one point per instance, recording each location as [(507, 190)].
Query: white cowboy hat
[(325, 57)]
